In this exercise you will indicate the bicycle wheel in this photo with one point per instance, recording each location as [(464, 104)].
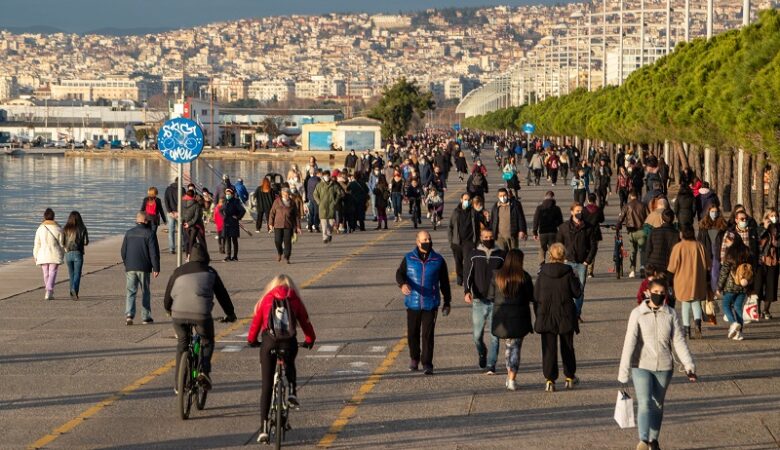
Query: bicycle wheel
[(202, 394), (279, 426), (183, 385)]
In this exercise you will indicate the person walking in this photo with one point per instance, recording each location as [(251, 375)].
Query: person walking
[(75, 238), (660, 242), (172, 206), (327, 195), (556, 316), (141, 257), (153, 208), (240, 191), (484, 261), (189, 299), (712, 228), (192, 220), (397, 195), (579, 240), (633, 217), (514, 292), (547, 219), (219, 224), (689, 264), (382, 196), (623, 186), (285, 221), (684, 206), (653, 330), (507, 221), (425, 283), (462, 235), (313, 220), (734, 282), (579, 185), (48, 251), (232, 212), (264, 197), (767, 274), (594, 215)]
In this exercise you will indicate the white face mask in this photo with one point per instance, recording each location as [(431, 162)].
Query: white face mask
[(773, 219)]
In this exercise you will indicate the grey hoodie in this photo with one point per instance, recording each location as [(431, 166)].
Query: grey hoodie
[(649, 339)]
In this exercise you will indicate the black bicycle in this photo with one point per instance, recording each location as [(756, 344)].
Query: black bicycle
[(188, 389), (278, 419)]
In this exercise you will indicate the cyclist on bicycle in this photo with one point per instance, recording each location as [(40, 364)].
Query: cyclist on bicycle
[(414, 194), (277, 315), (189, 300)]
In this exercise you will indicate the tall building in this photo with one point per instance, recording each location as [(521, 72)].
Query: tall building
[(91, 90), (8, 87), (269, 90)]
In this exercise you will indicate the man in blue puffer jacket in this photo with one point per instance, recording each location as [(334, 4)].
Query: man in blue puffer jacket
[(424, 280)]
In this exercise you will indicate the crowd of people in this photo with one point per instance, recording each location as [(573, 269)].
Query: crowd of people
[(683, 248)]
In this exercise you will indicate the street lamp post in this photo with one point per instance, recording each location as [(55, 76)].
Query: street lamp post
[(710, 12), (668, 26), (746, 13), (604, 46), (620, 47)]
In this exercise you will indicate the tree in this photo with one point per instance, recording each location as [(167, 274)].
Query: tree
[(398, 105)]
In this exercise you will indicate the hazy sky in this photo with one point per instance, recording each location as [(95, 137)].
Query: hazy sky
[(83, 15)]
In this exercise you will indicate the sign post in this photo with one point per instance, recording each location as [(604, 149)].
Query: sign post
[(180, 141), (528, 129)]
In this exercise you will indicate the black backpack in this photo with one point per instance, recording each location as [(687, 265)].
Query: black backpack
[(281, 320)]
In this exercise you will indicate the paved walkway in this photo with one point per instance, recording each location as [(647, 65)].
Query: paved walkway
[(74, 376)]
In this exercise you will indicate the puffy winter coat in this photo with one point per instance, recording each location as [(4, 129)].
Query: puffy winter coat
[(423, 279), (328, 196), (48, 245), (512, 315), (556, 288)]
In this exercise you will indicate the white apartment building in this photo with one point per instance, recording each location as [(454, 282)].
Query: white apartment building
[(390, 22), (8, 87), (92, 90), (631, 61), (318, 87), (457, 88), (269, 90)]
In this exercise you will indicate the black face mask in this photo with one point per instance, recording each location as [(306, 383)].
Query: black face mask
[(488, 243), (578, 216), (657, 299), (426, 247)]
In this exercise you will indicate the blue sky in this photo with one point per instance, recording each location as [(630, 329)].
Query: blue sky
[(84, 15)]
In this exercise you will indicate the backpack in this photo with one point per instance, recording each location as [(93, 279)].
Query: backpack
[(744, 273), (281, 320), (151, 208)]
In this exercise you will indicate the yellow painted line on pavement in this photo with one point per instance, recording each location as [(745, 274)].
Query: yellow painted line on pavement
[(137, 384), (349, 411)]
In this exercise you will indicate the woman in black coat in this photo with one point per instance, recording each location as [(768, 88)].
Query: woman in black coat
[(232, 212), (685, 206), (153, 208), (514, 292), (556, 316)]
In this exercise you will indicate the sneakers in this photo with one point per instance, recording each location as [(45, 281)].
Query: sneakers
[(511, 385), (766, 316), (549, 386), (128, 320), (642, 445), (733, 330), (491, 370), (292, 399), (571, 382), (428, 370), (482, 361), (204, 381), (632, 274), (148, 321), (738, 336), (414, 365), (263, 437), (49, 295)]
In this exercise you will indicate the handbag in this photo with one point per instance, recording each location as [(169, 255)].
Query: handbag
[(624, 410), (750, 309)]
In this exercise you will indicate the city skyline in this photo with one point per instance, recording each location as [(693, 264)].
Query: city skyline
[(150, 16)]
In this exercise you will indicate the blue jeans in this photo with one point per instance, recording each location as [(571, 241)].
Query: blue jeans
[(314, 215), (581, 271), (74, 261), (173, 228), (732, 306), (650, 389), (397, 199), (481, 315), (512, 354), (691, 306), (134, 280)]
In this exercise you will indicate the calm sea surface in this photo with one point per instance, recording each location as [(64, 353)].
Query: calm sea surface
[(106, 191)]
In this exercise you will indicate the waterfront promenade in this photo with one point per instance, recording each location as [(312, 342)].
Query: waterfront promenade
[(74, 376)]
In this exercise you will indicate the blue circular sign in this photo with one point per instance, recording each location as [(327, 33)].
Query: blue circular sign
[(180, 140), (529, 128)]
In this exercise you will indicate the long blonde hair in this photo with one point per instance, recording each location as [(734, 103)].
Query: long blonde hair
[(279, 280)]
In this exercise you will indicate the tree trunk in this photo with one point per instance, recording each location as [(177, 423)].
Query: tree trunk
[(682, 161), (747, 198), (759, 162), (774, 185)]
